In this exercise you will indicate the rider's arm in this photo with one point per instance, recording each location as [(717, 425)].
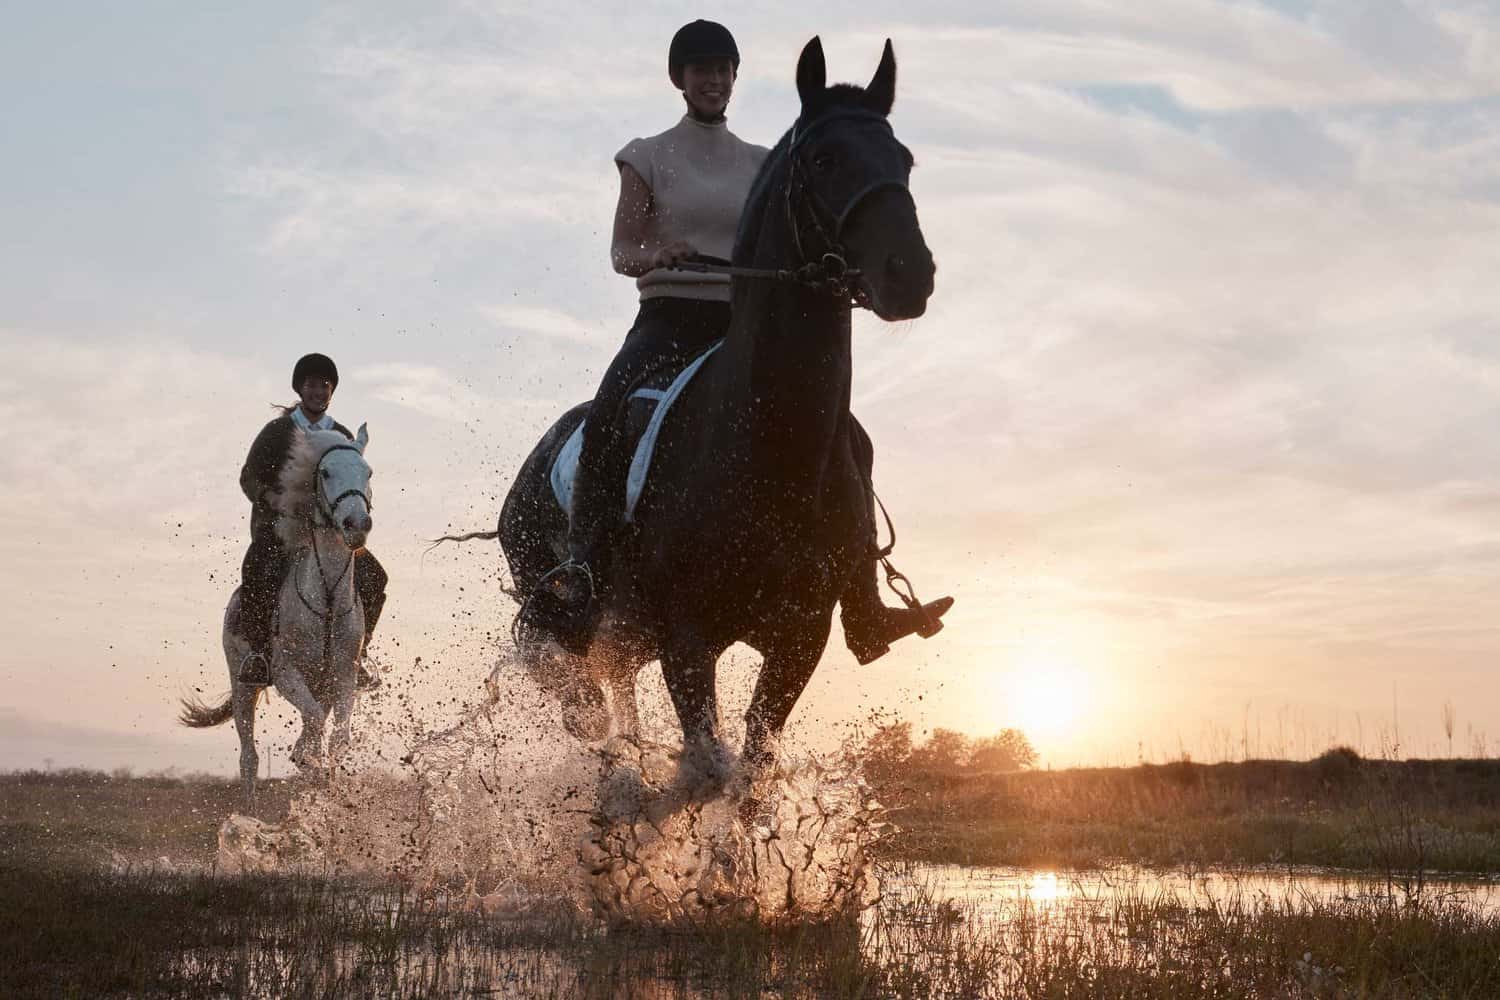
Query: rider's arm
[(258, 476), (635, 247)]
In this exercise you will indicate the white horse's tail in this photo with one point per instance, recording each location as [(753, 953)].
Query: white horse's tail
[(197, 715)]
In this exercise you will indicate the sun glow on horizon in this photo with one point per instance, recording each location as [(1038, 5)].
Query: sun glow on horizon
[(1044, 694)]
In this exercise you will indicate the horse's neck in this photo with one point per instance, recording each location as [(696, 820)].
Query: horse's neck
[(325, 568), (790, 370)]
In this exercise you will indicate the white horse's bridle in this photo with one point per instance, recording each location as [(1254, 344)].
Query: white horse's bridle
[(327, 507)]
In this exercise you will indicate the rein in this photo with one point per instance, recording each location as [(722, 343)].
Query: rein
[(329, 591), (831, 271)]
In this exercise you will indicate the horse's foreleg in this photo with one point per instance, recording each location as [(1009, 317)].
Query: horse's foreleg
[(343, 709), (292, 687), (690, 675), (783, 677)]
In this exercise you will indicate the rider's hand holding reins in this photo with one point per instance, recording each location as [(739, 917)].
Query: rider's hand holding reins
[(673, 253)]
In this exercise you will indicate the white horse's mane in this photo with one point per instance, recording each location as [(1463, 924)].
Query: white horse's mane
[(297, 503)]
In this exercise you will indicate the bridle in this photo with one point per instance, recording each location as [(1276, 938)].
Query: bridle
[(325, 506), (829, 268), (828, 224)]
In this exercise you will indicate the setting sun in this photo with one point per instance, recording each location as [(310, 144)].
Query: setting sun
[(1045, 695)]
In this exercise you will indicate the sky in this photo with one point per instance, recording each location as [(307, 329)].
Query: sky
[(1199, 427)]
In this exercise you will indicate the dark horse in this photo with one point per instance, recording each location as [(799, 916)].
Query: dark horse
[(756, 513)]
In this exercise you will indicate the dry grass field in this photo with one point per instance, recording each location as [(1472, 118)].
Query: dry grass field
[(90, 909)]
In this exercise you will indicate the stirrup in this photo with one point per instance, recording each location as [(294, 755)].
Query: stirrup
[(249, 675), (557, 611), (367, 678), (902, 588), (553, 580)]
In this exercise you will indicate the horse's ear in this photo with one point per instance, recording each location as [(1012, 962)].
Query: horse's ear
[(812, 72), (362, 438), (881, 93)]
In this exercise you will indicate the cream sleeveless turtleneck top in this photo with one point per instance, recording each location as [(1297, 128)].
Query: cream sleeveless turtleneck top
[(699, 175)]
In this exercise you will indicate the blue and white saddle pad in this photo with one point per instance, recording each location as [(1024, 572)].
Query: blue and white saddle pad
[(566, 466)]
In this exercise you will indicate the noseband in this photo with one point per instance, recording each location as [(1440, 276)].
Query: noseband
[(326, 507)]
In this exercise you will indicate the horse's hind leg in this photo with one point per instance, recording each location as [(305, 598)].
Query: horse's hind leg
[(243, 698)]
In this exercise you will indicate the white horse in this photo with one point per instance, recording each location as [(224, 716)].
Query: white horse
[(325, 517)]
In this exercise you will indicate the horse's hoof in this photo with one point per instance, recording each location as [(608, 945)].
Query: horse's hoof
[(756, 816), (705, 768)]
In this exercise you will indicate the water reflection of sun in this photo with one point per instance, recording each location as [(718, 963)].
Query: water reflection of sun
[(1046, 889)]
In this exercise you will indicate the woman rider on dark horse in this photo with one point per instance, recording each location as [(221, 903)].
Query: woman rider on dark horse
[(681, 194)]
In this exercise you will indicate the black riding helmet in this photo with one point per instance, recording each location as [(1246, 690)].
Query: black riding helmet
[(698, 41), (316, 365)]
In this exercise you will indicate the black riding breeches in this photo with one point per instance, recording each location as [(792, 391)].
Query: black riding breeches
[(261, 574), (668, 333), (861, 601), (369, 585)]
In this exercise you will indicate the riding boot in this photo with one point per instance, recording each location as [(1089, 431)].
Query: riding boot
[(870, 627), (373, 603)]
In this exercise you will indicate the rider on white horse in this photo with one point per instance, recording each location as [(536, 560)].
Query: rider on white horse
[(314, 378)]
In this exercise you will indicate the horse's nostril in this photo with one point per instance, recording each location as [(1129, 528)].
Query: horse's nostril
[(895, 264)]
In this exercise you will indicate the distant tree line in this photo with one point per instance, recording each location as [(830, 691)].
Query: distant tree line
[(890, 754)]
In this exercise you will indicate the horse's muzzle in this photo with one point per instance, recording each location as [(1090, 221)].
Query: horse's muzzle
[(901, 290), (356, 529)]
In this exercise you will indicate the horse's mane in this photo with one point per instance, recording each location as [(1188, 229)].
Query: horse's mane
[(773, 175), (298, 499)]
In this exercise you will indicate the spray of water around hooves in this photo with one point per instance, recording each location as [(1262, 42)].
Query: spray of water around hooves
[(506, 810), (793, 844)]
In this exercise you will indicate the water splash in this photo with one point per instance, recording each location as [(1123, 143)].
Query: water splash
[(503, 808), (794, 845)]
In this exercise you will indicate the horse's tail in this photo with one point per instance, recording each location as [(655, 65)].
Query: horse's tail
[(488, 536), (197, 715)]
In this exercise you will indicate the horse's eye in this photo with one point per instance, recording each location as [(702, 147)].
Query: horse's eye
[(824, 162), (325, 473)]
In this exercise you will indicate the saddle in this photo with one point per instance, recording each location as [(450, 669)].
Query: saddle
[(650, 402), (233, 622)]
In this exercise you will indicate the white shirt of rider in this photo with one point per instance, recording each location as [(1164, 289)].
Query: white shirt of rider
[(699, 174), (323, 423)]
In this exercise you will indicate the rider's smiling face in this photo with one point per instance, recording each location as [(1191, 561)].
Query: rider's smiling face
[(707, 86), (316, 393)]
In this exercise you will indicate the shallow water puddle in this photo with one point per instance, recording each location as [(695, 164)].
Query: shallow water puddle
[(991, 891)]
